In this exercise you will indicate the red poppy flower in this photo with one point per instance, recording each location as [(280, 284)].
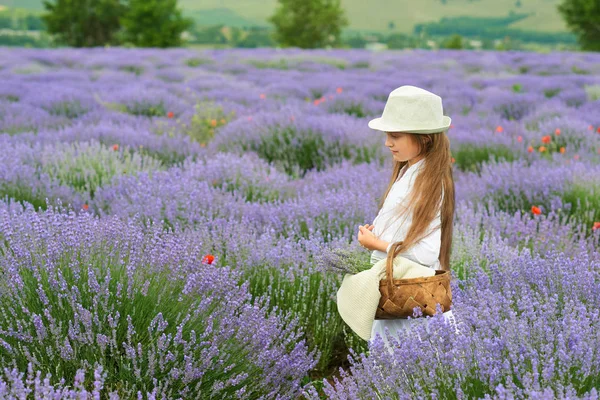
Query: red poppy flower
[(519, 139), (530, 149), (546, 139), (557, 131), (85, 207), (536, 210), (170, 114), (598, 130), (499, 129), (208, 259), (339, 90), (596, 226), (115, 147)]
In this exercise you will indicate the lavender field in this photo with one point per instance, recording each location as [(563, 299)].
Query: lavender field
[(162, 213)]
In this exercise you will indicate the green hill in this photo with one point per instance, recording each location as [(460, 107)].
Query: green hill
[(217, 16), (35, 5), (372, 16)]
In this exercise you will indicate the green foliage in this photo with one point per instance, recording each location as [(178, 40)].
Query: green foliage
[(145, 23), (549, 93), (134, 69), (301, 63), (69, 109), (470, 157), (154, 23), (299, 151), (80, 23), (146, 109), (322, 324), (246, 37), (86, 167), (224, 15), (22, 193), (135, 308), (207, 118), (582, 16), (10, 98), (209, 35), (581, 203), (465, 25), (253, 193), (401, 41), (276, 63), (585, 203), (256, 37), (490, 28), (356, 41), (453, 42), (593, 92), (350, 107), (25, 39), (19, 19), (196, 61), (309, 23)]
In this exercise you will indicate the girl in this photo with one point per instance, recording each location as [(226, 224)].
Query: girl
[(415, 216)]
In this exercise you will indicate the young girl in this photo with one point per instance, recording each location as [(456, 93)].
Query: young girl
[(415, 216)]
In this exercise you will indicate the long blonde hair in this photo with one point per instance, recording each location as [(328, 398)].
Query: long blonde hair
[(426, 195)]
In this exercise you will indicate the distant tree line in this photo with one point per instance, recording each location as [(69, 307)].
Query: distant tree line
[(252, 37), (248, 37), (27, 22), (143, 23), (491, 28), (296, 25), (304, 24), (22, 29)]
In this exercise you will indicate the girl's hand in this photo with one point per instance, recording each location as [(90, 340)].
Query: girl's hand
[(366, 237)]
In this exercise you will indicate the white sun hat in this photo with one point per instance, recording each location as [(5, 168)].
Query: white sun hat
[(414, 110)]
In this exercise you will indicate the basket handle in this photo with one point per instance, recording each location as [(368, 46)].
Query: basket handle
[(389, 273)]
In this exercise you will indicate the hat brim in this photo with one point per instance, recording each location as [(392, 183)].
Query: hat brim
[(380, 125)]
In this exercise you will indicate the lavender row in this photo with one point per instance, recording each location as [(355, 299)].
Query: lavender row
[(79, 293), (526, 327)]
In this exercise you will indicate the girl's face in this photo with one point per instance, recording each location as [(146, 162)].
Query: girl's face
[(402, 146)]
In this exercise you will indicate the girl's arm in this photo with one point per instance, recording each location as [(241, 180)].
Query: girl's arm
[(382, 245)]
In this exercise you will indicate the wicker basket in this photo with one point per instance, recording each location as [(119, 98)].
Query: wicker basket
[(400, 296)]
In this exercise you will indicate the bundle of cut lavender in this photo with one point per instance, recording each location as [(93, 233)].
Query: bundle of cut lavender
[(343, 260)]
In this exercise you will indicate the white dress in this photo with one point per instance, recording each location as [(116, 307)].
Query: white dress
[(425, 252)]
